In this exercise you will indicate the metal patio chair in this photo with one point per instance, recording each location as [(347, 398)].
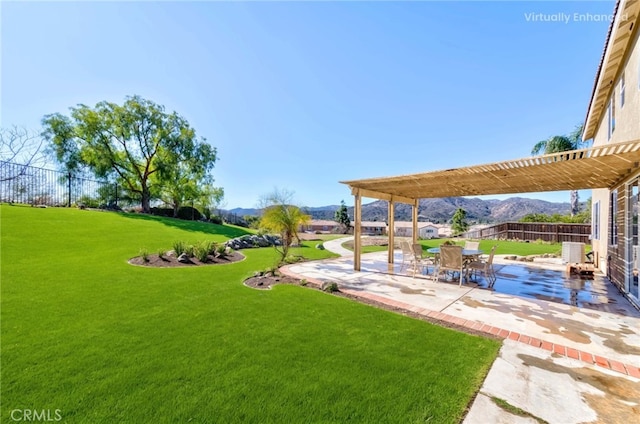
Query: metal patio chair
[(450, 260)]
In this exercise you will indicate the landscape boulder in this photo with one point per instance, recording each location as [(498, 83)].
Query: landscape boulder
[(249, 241), (184, 259)]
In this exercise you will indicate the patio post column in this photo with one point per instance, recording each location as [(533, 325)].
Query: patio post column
[(414, 217), (357, 230), (390, 229)]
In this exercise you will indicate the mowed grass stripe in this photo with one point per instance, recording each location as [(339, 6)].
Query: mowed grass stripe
[(102, 341)]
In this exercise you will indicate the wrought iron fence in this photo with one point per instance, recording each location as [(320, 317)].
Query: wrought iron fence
[(40, 186)]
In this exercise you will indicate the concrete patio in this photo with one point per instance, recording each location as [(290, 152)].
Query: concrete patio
[(571, 350)]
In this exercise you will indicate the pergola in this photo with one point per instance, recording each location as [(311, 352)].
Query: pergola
[(604, 166)]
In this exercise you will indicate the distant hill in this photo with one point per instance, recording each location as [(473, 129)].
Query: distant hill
[(242, 211), (478, 210), (320, 212), (441, 210)]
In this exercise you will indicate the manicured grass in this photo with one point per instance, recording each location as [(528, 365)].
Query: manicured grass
[(504, 247), (102, 341), (326, 237)]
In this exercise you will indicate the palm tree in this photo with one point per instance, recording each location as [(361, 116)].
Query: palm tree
[(281, 217), (563, 143)]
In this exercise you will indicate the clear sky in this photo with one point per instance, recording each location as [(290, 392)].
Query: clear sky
[(300, 95)]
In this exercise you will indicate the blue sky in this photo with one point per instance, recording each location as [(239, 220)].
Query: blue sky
[(301, 95)]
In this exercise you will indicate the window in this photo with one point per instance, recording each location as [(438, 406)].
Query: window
[(613, 218), (611, 117), (608, 123), (613, 113), (595, 221), (622, 84)]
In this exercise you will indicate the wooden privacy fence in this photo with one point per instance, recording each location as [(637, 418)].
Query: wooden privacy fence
[(531, 231)]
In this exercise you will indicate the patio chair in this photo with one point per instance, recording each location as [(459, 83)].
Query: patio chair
[(419, 261), (471, 245), (407, 254), (485, 267), (450, 260)]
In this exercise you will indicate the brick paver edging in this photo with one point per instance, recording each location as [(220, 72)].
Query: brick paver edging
[(569, 352)]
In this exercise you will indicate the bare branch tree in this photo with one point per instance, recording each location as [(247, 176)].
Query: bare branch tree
[(22, 147)]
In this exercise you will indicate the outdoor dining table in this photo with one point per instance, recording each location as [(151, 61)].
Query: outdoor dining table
[(466, 253), (468, 256)]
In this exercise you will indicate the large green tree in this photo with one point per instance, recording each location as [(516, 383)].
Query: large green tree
[(209, 199), (563, 143), (184, 183), (280, 216), (137, 143)]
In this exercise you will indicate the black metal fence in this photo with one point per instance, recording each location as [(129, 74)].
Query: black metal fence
[(38, 186)]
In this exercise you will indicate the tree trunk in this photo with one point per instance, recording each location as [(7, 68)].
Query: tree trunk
[(287, 238), (176, 206), (146, 200)]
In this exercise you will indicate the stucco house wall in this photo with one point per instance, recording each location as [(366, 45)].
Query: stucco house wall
[(611, 224)]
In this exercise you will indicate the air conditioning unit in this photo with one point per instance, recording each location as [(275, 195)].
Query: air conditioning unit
[(573, 252)]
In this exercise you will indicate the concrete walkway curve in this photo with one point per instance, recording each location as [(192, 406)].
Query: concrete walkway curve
[(335, 246)]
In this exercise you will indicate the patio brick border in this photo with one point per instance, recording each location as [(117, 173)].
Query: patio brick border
[(502, 333), (558, 349)]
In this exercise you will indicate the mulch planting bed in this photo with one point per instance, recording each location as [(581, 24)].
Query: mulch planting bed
[(169, 260)]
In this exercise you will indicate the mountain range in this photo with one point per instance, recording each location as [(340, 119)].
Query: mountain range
[(441, 210)]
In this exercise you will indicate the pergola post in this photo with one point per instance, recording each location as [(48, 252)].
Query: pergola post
[(414, 218), (391, 229), (357, 230)]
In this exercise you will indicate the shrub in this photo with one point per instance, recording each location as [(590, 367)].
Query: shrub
[(272, 271), (184, 212), (292, 259), (189, 250), (88, 201), (331, 287), (220, 251), (161, 254), (202, 250), (144, 253), (216, 220), (303, 282), (179, 247)]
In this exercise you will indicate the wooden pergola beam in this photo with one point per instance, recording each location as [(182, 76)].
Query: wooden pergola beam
[(596, 167), (382, 196)]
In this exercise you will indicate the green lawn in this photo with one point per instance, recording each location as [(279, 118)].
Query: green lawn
[(504, 247), (85, 333)]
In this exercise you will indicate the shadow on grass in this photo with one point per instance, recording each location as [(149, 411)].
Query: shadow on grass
[(203, 227)]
